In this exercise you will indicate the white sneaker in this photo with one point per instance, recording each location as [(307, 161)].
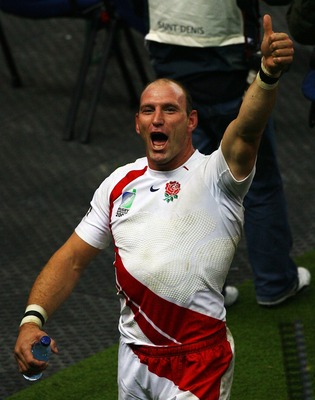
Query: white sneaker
[(230, 295), (304, 280)]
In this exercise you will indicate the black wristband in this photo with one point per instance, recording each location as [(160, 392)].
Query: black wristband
[(269, 80), (35, 314)]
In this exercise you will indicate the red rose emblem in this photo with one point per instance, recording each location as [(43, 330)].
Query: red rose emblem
[(171, 190)]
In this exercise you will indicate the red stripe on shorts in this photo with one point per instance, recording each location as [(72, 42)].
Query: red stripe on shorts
[(197, 368)]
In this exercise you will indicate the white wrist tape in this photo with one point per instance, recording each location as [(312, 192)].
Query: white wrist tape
[(35, 314), (263, 84), (265, 79)]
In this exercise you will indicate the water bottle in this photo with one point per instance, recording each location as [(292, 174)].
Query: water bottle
[(41, 351)]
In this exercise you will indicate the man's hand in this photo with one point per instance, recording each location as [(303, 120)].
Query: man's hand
[(29, 334), (277, 49)]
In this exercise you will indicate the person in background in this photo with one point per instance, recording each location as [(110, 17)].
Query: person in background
[(176, 218), (211, 47), (300, 17)]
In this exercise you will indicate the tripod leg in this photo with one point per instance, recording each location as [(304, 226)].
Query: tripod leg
[(136, 56), (85, 135), (16, 80), (79, 86), (134, 98)]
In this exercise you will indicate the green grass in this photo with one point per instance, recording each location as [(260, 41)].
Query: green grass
[(259, 369), (93, 378)]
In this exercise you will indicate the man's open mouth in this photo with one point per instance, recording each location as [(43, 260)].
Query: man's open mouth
[(158, 139)]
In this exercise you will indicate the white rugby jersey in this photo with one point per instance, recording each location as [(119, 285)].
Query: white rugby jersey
[(175, 235)]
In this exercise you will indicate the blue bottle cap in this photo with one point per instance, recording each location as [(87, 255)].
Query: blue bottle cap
[(45, 340)]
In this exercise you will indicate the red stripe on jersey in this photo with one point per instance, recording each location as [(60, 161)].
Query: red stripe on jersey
[(151, 331), (163, 322)]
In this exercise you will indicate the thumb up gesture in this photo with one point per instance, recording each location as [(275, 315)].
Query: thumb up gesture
[(277, 48)]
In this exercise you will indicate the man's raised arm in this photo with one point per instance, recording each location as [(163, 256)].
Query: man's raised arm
[(242, 138)]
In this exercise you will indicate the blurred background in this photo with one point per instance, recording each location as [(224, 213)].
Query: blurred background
[(47, 182)]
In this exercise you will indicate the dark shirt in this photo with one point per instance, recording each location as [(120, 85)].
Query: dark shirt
[(211, 74)]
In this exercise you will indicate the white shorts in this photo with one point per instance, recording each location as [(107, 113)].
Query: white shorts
[(203, 370)]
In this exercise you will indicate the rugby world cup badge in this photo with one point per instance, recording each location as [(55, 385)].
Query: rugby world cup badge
[(127, 199)]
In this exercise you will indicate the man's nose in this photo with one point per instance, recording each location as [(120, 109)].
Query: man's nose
[(158, 118)]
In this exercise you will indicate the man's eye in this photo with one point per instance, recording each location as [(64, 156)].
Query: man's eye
[(147, 110), (170, 109)]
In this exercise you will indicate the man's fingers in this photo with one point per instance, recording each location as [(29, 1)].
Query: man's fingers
[(282, 50), (21, 364)]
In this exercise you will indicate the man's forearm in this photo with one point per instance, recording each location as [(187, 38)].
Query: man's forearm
[(61, 274), (54, 284), (256, 109)]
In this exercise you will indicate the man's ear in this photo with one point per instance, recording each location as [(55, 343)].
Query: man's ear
[(193, 120)]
